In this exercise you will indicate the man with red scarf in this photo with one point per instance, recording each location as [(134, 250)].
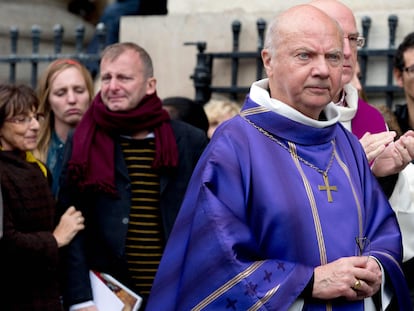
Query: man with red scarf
[(127, 168)]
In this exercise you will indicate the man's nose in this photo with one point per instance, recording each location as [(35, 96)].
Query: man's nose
[(321, 67)]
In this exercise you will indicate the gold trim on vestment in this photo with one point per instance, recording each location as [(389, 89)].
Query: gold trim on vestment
[(265, 299), (228, 285), (389, 257), (254, 110), (312, 202), (359, 208)]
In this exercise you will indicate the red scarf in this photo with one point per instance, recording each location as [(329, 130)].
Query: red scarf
[(92, 164)]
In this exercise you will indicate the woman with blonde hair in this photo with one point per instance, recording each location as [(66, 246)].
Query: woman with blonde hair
[(218, 111), (65, 91)]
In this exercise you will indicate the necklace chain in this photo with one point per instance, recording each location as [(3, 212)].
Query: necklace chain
[(267, 134)]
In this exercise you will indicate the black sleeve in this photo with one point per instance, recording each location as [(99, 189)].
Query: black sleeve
[(387, 184), (307, 291)]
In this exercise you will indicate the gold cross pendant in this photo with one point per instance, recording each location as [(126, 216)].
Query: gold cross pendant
[(327, 187)]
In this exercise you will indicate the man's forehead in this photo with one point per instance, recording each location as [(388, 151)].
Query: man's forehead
[(324, 37)]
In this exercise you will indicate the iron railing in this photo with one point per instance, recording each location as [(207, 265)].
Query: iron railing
[(203, 72), (35, 57)]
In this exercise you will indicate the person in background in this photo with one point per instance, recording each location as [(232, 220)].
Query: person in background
[(402, 199), (404, 77), (356, 81), (65, 91), (30, 246), (127, 169), (187, 110), (388, 115), (386, 156), (84, 8), (282, 211), (218, 111), (111, 18)]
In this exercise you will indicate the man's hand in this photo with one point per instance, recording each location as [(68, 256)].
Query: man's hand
[(375, 144), (338, 278), (395, 157)]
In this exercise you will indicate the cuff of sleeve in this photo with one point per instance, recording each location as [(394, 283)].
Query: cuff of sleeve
[(307, 292)]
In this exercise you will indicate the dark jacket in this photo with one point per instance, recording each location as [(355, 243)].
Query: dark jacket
[(28, 251), (401, 113), (106, 217)]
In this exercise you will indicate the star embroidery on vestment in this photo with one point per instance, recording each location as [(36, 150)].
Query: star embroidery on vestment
[(251, 289), (231, 304), (281, 266), (268, 276)]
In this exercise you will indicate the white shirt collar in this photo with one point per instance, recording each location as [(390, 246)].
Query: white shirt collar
[(348, 112), (259, 94)]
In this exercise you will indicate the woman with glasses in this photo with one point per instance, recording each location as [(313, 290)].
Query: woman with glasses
[(29, 249), (65, 91)]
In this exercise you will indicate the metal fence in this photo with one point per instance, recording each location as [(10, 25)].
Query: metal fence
[(203, 72), (35, 58), (366, 54)]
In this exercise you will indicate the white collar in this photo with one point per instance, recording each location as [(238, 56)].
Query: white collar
[(351, 97), (259, 94)]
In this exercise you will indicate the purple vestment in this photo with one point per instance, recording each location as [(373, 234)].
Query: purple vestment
[(367, 119), (254, 224)]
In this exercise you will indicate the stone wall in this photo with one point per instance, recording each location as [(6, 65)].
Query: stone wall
[(210, 21)]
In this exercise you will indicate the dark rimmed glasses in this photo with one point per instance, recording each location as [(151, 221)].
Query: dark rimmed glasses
[(409, 70)]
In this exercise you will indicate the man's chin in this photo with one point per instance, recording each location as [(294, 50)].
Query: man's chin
[(116, 106)]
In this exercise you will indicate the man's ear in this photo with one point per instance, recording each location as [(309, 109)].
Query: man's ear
[(398, 76), (266, 57), (267, 61), (151, 86)]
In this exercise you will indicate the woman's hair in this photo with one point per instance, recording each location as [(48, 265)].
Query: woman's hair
[(15, 100), (214, 108), (43, 92)]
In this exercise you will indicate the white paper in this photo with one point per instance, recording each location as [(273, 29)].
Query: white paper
[(103, 297)]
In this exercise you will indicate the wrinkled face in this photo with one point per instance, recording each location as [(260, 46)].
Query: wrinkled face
[(347, 23), (69, 97), (345, 18), (356, 78), (405, 79), (20, 132), (123, 82), (306, 67)]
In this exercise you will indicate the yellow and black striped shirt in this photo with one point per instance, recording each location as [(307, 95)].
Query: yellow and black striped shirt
[(145, 240)]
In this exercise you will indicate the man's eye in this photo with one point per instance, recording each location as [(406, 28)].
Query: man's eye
[(353, 38), (105, 78), (333, 57), (303, 56)]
